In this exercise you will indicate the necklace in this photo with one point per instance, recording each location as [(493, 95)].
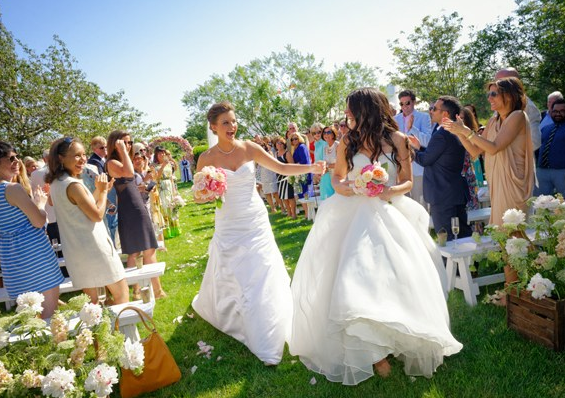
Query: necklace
[(224, 152)]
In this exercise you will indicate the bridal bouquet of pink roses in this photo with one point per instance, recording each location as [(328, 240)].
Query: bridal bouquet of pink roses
[(370, 180), (210, 185)]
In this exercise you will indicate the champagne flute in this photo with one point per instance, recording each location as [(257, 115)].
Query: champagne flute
[(455, 228), (101, 292)]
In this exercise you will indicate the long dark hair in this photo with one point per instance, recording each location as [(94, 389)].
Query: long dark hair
[(59, 148), (373, 123), (111, 145)]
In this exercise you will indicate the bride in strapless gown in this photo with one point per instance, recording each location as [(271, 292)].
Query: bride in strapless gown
[(370, 283), (245, 291)]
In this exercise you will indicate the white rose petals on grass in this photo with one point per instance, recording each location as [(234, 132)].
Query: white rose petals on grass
[(205, 349), (193, 369), (313, 381)]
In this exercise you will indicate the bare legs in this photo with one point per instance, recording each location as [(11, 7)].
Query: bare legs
[(51, 302)]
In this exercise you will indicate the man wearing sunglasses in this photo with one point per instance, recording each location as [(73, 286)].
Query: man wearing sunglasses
[(418, 124), (445, 189), (98, 157)]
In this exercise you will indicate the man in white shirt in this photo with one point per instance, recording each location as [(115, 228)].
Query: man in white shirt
[(418, 124)]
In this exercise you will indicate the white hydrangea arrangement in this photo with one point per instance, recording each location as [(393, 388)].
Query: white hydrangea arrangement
[(56, 361), (539, 262)]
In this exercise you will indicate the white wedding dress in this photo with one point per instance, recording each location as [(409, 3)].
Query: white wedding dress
[(245, 291), (369, 283)]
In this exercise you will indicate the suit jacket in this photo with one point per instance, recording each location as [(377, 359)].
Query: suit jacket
[(97, 161), (443, 160), (421, 129)]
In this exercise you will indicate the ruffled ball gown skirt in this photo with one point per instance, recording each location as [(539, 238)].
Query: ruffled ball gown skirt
[(369, 283), (245, 291)]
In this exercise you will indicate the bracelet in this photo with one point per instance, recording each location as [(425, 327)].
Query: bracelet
[(470, 136)]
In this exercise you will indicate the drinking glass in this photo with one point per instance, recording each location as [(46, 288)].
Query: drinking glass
[(455, 229), (101, 292)]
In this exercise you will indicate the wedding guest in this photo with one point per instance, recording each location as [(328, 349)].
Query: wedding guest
[(268, 182), (30, 165), (163, 174), (368, 283), (418, 124), (38, 180), (329, 156), (472, 170), (185, 173), (300, 155), (134, 223), (286, 191), (90, 257), (27, 258), (98, 157), (22, 178), (343, 130), (445, 189), (546, 118), (245, 291), (507, 145)]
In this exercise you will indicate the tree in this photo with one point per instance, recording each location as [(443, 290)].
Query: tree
[(431, 60), (531, 41), (272, 91), (45, 96)]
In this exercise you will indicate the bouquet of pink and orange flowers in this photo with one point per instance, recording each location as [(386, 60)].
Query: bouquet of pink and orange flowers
[(370, 180), (210, 185)]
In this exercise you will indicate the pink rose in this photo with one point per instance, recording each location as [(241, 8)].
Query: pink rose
[(374, 189)]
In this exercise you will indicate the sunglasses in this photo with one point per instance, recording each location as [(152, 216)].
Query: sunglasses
[(492, 94), (318, 132), (13, 158), (405, 103), (102, 147), (294, 139), (128, 143), (435, 108), (327, 132), (342, 125), (143, 150)]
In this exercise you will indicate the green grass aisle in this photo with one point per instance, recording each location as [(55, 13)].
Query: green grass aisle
[(495, 362)]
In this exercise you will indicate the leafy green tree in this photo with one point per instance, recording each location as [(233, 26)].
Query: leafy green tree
[(430, 59), (45, 96), (531, 41), (272, 91)]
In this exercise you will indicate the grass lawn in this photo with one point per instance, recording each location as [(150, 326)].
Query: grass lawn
[(495, 361)]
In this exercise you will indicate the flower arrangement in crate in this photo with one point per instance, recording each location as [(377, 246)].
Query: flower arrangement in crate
[(539, 261), (56, 361)]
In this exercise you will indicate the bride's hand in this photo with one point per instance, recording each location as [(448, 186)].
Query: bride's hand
[(387, 194), (344, 188)]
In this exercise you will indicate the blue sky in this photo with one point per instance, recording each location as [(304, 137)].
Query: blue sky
[(157, 50)]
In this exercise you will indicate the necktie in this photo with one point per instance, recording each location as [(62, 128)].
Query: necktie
[(545, 154)]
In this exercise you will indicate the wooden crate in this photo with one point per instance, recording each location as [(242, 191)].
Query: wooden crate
[(542, 321)]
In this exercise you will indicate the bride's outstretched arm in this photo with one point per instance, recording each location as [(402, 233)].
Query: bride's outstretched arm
[(404, 178), (339, 180), (260, 156)]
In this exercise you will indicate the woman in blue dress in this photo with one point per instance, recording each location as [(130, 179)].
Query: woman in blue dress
[(301, 155), (28, 261)]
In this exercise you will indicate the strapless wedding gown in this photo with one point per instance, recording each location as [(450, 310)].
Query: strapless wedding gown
[(245, 291), (369, 283)]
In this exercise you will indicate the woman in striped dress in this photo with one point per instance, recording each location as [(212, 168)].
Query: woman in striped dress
[(27, 259), (286, 192)]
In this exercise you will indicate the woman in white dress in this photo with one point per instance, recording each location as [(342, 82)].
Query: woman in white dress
[(90, 256), (378, 291), (245, 291)]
